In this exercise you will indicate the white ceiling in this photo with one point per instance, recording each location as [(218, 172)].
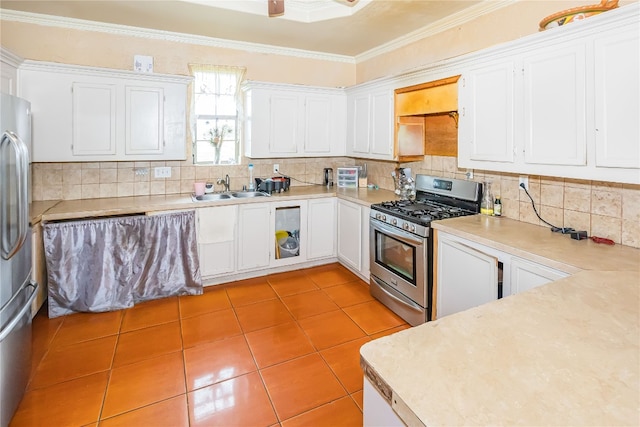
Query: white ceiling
[(366, 24)]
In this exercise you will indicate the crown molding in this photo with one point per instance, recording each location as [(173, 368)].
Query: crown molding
[(124, 30), (449, 22), (444, 24), (9, 57)]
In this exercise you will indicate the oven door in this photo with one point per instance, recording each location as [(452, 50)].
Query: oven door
[(399, 259)]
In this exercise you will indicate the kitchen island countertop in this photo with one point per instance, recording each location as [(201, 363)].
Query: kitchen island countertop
[(566, 353)]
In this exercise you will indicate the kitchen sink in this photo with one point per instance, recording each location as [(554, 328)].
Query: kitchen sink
[(210, 197), (245, 194)]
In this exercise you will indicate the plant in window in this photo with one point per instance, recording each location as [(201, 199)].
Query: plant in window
[(216, 138)]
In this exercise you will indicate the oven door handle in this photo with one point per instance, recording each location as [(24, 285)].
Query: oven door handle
[(404, 301), (397, 233)]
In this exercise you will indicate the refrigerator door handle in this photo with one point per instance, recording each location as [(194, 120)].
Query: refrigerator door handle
[(11, 324), (22, 168)]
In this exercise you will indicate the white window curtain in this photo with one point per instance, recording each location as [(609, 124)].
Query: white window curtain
[(221, 81)]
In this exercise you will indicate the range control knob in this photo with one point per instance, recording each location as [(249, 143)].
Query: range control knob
[(413, 227), (394, 221), (384, 217), (405, 225), (378, 216)]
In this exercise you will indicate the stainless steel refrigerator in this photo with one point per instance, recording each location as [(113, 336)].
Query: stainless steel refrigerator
[(17, 290)]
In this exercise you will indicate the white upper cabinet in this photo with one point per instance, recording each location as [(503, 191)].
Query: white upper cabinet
[(370, 122), (293, 121), (617, 104), (570, 107), (92, 114), (554, 105), (144, 120), (486, 125)]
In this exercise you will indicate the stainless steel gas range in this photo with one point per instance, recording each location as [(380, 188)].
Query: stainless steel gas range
[(402, 244)]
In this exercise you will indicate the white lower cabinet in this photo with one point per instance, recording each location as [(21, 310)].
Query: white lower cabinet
[(254, 236), (377, 410), (467, 277), (527, 275), (242, 239), (217, 240), (353, 237), (321, 228), (469, 274)]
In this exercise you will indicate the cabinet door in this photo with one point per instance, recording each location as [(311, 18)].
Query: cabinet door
[(527, 275), (359, 142), (94, 119), (555, 106), (144, 120), (365, 253), (284, 120), (321, 225), (8, 79), (349, 234), (616, 110), (486, 123), (382, 124), (466, 277), (216, 240), (317, 124), (254, 236)]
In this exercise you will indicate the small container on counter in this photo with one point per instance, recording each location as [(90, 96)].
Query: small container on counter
[(497, 207)]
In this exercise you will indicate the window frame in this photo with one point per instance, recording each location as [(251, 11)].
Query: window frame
[(197, 139)]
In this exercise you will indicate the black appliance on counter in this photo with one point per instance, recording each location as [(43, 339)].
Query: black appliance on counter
[(401, 243), (328, 177), (276, 184)]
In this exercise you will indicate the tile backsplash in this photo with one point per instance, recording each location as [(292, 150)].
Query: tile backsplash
[(91, 180), (603, 209)]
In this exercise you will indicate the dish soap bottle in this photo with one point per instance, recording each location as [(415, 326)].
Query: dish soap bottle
[(486, 206), (497, 207)]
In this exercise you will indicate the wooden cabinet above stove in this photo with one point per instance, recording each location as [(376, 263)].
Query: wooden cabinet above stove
[(426, 119)]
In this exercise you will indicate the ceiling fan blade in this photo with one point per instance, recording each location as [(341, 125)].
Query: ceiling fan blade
[(276, 8)]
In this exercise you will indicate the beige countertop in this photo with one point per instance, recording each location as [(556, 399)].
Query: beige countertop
[(36, 209), (89, 208), (540, 244), (566, 353)]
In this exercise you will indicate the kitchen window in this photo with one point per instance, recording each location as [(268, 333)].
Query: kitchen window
[(216, 114)]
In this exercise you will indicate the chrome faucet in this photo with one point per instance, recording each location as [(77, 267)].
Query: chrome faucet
[(226, 181)]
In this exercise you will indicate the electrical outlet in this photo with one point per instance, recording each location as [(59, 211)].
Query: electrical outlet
[(469, 174), (141, 171), (162, 172), (276, 168), (524, 180)]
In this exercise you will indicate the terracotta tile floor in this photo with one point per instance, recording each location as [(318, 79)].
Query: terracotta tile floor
[(277, 350)]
